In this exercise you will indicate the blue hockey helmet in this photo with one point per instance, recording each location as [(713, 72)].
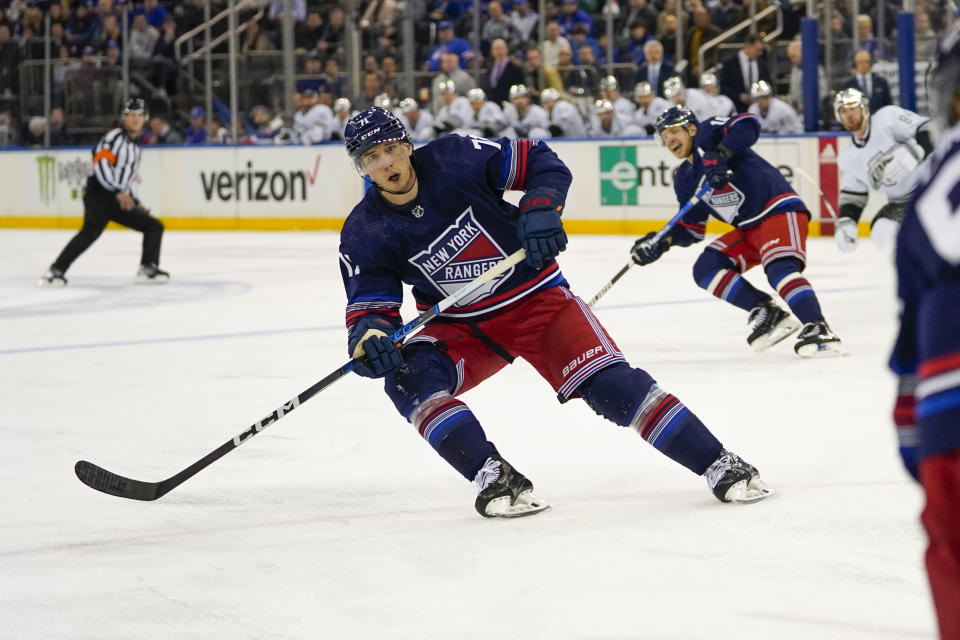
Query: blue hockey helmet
[(676, 116), (369, 128)]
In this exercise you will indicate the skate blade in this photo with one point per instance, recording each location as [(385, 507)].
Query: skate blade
[(157, 280), (47, 284), (527, 504), (782, 331), (824, 350), (745, 492)]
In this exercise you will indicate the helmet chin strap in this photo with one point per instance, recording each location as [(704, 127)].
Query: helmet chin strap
[(395, 193)]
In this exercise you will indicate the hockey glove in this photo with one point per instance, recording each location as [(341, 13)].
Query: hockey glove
[(645, 250), (715, 168), (539, 228), (374, 353), (845, 234), (904, 417)]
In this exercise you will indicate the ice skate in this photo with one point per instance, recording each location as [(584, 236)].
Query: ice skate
[(53, 277), (816, 340), (504, 492), (151, 274), (732, 479), (769, 324)]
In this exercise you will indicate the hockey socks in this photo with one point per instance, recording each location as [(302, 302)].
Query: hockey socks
[(712, 272), (675, 431), (784, 276), (454, 432)]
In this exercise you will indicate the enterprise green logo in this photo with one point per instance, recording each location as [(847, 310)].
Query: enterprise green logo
[(618, 175)]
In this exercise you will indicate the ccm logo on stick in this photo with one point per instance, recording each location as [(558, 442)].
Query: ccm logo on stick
[(583, 357)]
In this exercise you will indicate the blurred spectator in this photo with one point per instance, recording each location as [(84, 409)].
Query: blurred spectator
[(502, 73), (701, 33), (338, 83), (449, 70), (571, 15), (552, 44), (196, 133), (740, 71), (639, 36), (871, 85), (216, 133), (59, 136), (776, 116), (579, 39), (143, 40), (332, 42), (637, 12), (8, 130), (725, 14), (379, 22), (842, 45), (82, 26), (165, 67), (587, 74), (109, 32), (36, 127), (532, 68), (667, 35), (372, 87), (499, 25), (314, 121), (867, 41), (447, 42), (156, 13), (112, 58), (343, 111), (388, 65), (418, 123), (160, 131), (307, 34), (525, 19), (795, 93), (926, 37), (264, 126), (9, 63), (654, 70), (255, 38), (312, 68)]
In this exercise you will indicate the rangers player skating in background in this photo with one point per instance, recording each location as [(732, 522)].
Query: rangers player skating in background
[(435, 218), (887, 148), (770, 224)]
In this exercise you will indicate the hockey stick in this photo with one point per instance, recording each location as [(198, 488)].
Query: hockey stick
[(105, 481), (803, 174), (657, 238)]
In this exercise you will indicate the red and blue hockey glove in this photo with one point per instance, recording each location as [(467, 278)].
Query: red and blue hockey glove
[(539, 228), (905, 419), (715, 168), (645, 250), (374, 353)]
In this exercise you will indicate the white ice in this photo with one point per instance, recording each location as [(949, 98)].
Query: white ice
[(339, 521)]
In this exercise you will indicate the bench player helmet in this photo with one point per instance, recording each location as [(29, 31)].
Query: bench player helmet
[(677, 116), (369, 128), (760, 90)]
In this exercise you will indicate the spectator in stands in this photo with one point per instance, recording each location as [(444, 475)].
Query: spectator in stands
[(725, 14), (143, 39), (59, 136), (379, 20), (338, 83), (8, 130), (307, 34), (868, 83), (36, 127), (82, 26), (868, 42), (112, 55), (639, 36), (571, 15), (842, 46), (587, 69), (165, 67), (581, 38), (701, 33), (925, 36), (552, 44), (667, 35), (156, 13), (449, 70), (372, 87), (332, 42), (795, 93), (654, 70), (499, 25), (502, 72), (448, 42), (109, 32), (216, 133), (312, 69), (739, 72), (637, 12), (532, 68), (161, 132), (196, 133), (525, 19), (9, 63), (255, 38)]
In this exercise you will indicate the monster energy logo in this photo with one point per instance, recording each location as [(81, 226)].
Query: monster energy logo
[(46, 173)]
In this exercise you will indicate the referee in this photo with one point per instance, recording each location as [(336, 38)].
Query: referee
[(109, 195)]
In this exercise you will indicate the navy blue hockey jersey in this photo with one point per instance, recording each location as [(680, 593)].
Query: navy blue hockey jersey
[(456, 228), (756, 189), (927, 350)]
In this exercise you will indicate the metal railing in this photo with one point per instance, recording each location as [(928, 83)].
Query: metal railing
[(737, 28)]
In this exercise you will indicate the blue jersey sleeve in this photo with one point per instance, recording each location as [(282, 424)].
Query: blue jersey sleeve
[(692, 227), (521, 165), (736, 133), (370, 289)]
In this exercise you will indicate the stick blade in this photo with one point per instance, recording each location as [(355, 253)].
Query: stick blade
[(110, 483)]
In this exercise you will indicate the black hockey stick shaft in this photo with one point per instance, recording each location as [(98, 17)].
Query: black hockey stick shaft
[(691, 203), (111, 483)]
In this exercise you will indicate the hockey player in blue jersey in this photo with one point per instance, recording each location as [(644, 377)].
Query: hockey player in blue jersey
[(927, 351), (435, 218), (770, 228)]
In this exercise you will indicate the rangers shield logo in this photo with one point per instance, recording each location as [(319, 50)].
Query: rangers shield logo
[(726, 201), (461, 253)]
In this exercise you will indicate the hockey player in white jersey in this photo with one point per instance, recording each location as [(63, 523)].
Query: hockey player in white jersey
[(455, 114), (565, 119), (775, 115), (527, 119), (314, 122), (699, 102), (489, 120), (711, 86), (418, 122), (607, 123), (888, 147), (610, 90), (342, 111), (649, 107)]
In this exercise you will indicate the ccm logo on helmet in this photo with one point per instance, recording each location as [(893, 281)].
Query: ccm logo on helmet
[(579, 360), (370, 133)]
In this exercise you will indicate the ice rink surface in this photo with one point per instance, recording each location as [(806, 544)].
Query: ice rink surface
[(339, 521)]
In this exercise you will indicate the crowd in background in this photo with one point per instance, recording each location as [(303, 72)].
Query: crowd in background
[(522, 75)]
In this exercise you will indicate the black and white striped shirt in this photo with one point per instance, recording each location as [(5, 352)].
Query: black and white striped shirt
[(116, 160)]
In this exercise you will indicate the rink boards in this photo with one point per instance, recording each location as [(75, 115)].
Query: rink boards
[(620, 186)]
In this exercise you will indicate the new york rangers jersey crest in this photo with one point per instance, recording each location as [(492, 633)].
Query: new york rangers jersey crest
[(462, 252), (726, 201)]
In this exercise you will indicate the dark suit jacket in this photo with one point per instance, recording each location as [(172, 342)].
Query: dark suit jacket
[(732, 82), (881, 91), (666, 71), (500, 92)]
